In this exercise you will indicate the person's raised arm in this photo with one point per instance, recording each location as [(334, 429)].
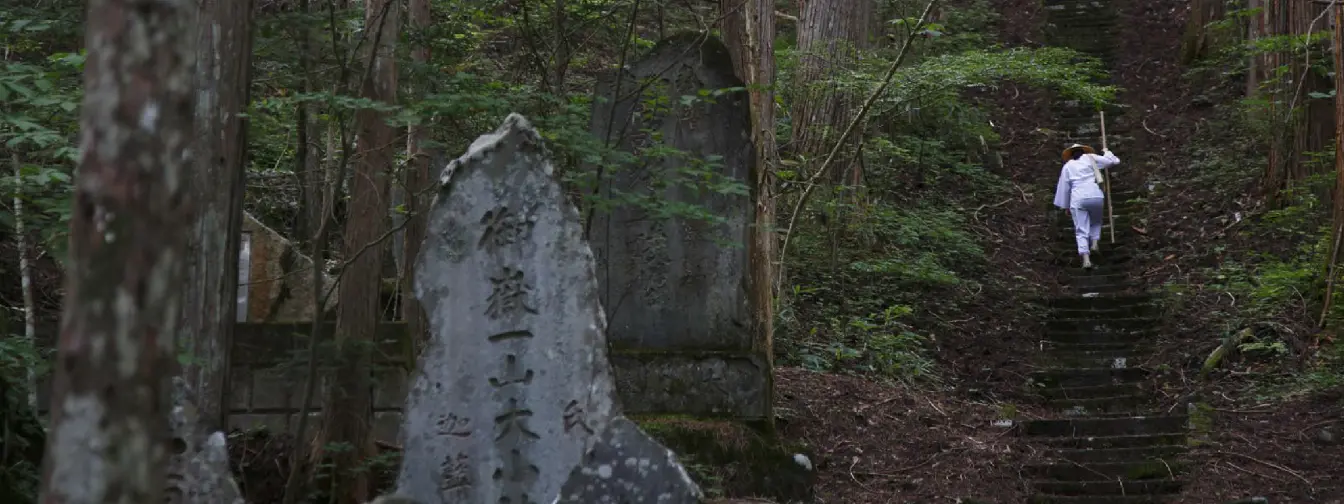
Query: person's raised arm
[(1062, 189), (1106, 159)]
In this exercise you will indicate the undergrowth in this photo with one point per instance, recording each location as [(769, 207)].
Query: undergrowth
[(1261, 261)]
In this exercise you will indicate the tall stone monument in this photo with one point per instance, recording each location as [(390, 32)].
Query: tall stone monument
[(513, 401), (675, 287)]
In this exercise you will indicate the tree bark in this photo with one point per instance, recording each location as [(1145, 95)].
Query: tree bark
[(109, 406), (416, 183), (1307, 125), (1199, 38), (210, 301), (755, 46), (830, 34), (308, 160), (1331, 268), (349, 409)]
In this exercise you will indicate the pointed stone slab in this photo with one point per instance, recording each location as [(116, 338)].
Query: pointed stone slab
[(629, 466), (514, 390)]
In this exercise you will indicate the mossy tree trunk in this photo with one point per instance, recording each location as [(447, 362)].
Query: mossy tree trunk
[(109, 403)]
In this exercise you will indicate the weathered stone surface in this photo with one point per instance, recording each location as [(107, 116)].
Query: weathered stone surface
[(514, 386), (203, 460), (628, 466), (708, 385), (279, 281), (677, 284)]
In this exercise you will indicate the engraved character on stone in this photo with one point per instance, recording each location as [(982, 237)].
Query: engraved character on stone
[(450, 424), (575, 417), (509, 294), (455, 473), (504, 227)]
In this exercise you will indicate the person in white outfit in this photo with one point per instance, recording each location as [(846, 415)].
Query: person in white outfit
[(1079, 194)]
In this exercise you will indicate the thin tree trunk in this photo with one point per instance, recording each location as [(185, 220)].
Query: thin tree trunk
[(109, 405), (416, 184), (349, 409), (308, 162), (759, 57), (25, 278)]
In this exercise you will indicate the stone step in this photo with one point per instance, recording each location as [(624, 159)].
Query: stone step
[(1107, 455), (1109, 404), (1107, 487), (1100, 270), (1136, 470), (1123, 311), (1096, 499), (1077, 302), (1111, 259), (1065, 346), (1105, 426), (1086, 377), (1097, 324), (1120, 339), (1087, 393), (1129, 441), (1107, 358)]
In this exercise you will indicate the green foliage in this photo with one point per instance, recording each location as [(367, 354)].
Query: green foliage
[(878, 343), (904, 236)]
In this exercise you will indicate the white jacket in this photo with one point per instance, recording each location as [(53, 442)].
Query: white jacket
[(1078, 178)]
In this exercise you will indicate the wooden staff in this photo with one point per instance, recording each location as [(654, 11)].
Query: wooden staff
[(1110, 214)]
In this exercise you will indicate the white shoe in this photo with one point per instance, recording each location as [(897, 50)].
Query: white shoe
[(1096, 244), (1087, 261)]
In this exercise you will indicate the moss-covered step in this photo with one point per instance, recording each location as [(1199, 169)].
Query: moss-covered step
[(1106, 426), (1120, 358), (1067, 347), (1108, 487), (1097, 324), (1090, 392), (731, 460), (1097, 499), (1130, 337), (1102, 455), (1136, 470), (1124, 403), (1088, 377), (1082, 303), (1130, 441)]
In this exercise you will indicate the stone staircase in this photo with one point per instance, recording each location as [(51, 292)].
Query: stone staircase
[(1105, 446)]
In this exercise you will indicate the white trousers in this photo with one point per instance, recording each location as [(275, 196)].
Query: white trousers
[(1087, 218)]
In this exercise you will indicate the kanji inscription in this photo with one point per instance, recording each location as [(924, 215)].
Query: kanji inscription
[(455, 473), (504, 227), (510, 294)]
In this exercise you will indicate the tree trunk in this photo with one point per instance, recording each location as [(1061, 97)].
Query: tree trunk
[(210, 301), (349, 408), (732, 26), (1337, 227), (1306, 124), (109, 403), (416, 184), (755, 42), (830, 33), (1200, 39), (308, 159)]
